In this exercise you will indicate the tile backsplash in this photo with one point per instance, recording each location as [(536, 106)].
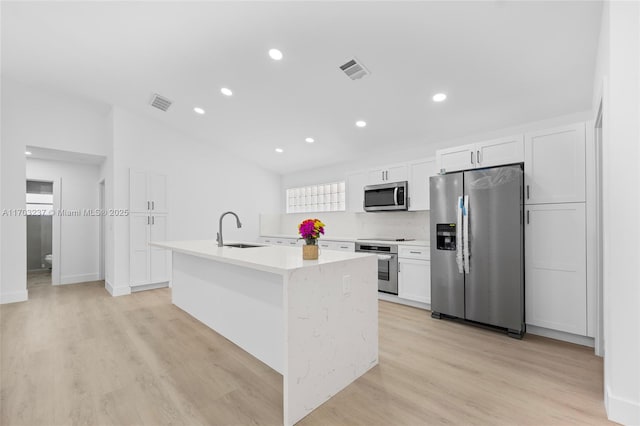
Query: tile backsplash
[(353, 225)]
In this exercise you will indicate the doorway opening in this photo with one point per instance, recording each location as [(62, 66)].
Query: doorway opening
[(39, 205)]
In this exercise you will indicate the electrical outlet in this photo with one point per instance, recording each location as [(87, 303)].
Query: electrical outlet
[(346, 284)]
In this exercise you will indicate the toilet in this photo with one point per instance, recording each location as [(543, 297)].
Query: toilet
[(48, 259)]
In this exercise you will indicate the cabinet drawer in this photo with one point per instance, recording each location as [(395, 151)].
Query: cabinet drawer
[(414, 252), (337, 245)]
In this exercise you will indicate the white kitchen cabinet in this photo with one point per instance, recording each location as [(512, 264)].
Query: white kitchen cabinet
[(147, 265), (495, 152), (555, 165), (419, 174), (282, 242), (336, 245), (555, 267), (414, 280), (457, 158), (498, 152), (355, 192), (147, 192), (414, 273), (388, 174)]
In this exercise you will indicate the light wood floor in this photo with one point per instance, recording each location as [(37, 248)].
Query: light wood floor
[(38, 278), (75, 355)]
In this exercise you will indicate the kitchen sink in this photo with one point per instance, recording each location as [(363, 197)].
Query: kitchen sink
[(242, 245)]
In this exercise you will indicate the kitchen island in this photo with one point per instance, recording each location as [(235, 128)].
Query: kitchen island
[(315, 322)]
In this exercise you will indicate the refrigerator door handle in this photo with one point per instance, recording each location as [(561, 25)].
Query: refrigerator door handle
[(459, 244), (465, 233)]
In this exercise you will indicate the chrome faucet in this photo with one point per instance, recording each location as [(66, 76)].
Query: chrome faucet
[(219, 236)]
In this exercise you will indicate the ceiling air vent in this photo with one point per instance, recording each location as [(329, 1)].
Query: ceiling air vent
[(354, 69), (160, 102)]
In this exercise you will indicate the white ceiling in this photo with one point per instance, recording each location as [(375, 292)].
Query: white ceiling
[(501, 63)]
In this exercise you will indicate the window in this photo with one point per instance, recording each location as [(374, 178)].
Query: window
[(325, 197)]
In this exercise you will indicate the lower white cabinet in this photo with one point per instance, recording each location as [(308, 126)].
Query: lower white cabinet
[(414, 273), (555, 267), (322, 243), (337, 245), (147, 265), (284, 242)]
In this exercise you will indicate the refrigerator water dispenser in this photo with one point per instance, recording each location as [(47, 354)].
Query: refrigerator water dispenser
[(446, 236)]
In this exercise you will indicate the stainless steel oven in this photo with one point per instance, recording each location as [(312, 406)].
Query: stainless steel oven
[(387, 264)]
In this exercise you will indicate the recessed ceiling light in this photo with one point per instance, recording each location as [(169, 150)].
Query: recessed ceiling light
[(226, 92), (309, 140), (279, 150), (275, 54), (439, 97), (361, 123), (27, 153), (198, 110)]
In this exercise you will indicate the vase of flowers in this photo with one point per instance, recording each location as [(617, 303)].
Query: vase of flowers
[(310, 230)]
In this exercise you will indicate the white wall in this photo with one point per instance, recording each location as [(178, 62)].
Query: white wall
[(79, 236), (619, 67), (203, 182), (37, 118)]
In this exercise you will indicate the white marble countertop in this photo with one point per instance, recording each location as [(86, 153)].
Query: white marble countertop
[(278, 260), (353, 240)]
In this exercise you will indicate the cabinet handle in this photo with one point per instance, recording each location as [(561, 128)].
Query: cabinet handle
[(527, 217), (344, 247), (478, 156), (471, 157), (382, 173), (153, 220), (148, 205), (153, 205), (415, 252), (527, 192), (148, 220)]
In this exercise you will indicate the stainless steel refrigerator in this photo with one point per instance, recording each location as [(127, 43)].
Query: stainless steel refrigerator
[(477, 247)]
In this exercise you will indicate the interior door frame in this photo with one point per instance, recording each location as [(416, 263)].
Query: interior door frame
[(56, 243), (102, 226)]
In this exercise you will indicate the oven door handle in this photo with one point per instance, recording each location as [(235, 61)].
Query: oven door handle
[(384, 257)]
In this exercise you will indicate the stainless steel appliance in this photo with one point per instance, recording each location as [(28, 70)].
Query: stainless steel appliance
[(386, 197), (387, 264), (477, 252)]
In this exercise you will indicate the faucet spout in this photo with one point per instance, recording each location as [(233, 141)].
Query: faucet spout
[(219, 234)]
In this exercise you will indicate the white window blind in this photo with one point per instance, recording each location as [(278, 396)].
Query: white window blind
[(324, 197)]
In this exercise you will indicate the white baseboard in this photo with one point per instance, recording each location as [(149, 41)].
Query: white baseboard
[(395, 299), (117, 291), (153, 286), (621, 410), (561, 335), (79, 278), (13, 297)]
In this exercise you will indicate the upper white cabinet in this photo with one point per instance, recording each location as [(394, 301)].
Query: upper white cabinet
[(355, 192), (501, 151), (419, 174), (457, 158), (555, 165), (489, 153), (396, 173), (555, 267), (147, 192)]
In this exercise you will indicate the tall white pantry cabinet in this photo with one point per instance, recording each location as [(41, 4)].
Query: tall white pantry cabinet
[(555, 230), (148, 222)]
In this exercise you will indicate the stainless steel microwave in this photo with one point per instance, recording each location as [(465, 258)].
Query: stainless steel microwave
[(386, 197)]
